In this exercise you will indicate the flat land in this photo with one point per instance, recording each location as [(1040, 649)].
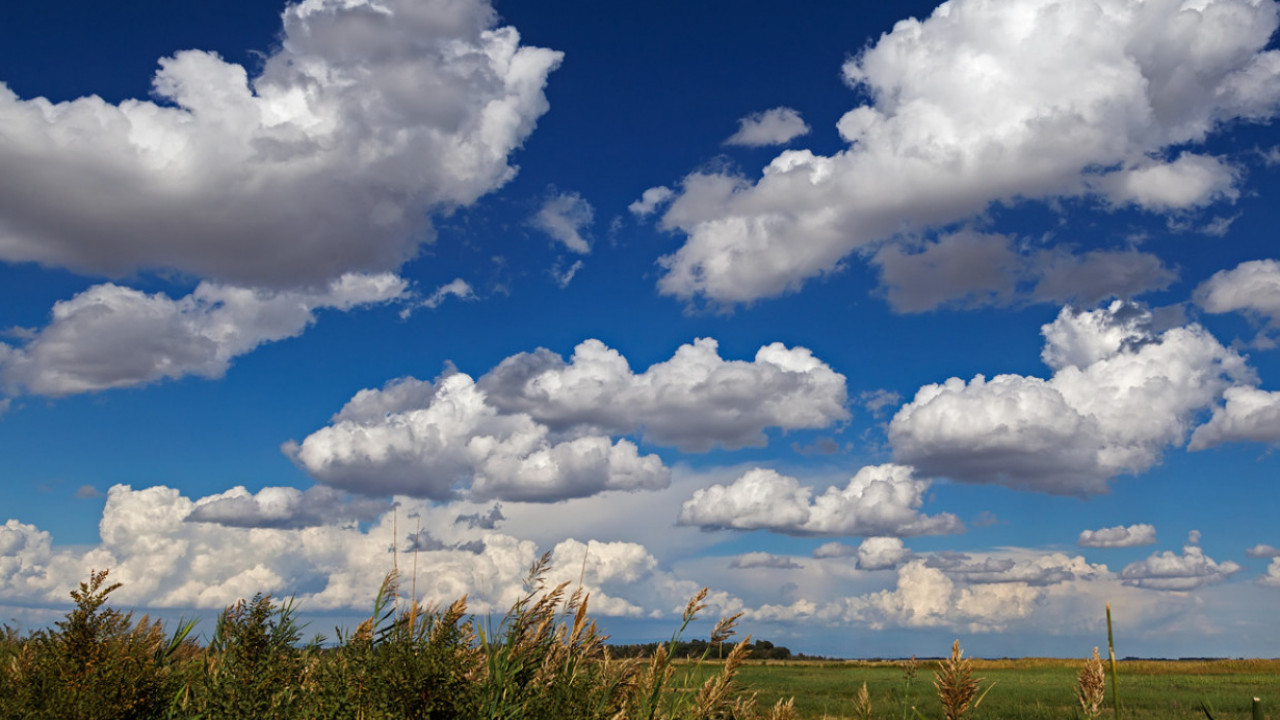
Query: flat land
[(1026, 689)]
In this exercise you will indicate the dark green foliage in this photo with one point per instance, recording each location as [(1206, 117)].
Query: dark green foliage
[(252, 667), (96, 664)]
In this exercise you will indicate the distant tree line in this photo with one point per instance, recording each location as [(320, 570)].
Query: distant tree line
[(698, 648)]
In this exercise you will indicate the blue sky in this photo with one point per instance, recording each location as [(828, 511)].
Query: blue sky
[(889, 323)]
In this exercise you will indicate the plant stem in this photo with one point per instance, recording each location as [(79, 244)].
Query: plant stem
[(1111, 648)]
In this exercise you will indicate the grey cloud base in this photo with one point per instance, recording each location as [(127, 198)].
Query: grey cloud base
[(369, 117)]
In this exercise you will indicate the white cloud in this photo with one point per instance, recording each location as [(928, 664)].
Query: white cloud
[(1188, 571), (926, 597), (879, 500), (1247, 415), (111, 336), (882, 553), (1122, 390), (284, 507), (367, 117), (164, 561), (776, 126), (1272, 578), (694, 401), (1189, 181), (564, 216), (458, 288), (651, 200), (835, 549), (764, 560), (432, 441), (1262, 551), (1119, 536), (1251, 287), (981, 103)]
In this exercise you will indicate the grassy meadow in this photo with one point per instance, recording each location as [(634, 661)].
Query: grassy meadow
[(545, 659), (1022, 689)]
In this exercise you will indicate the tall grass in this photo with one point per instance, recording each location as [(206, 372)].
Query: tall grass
[(545, 658)]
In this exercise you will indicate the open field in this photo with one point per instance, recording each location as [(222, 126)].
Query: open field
[(1025, 689)]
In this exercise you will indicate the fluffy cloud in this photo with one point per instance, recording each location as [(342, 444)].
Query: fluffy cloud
[(1272, 577), (879, 500), (970, 269), (367, 117), (111, 336), (834, 549), (765, 560), (1168, 571), (284, 507), (1122, 390), (926, 597), (882, 553), (564, 216), (165, 561), (433, 440), (1262, 551), (1247, 415), (650, 200), (1119, 536), (984, 102), (777, 126), (1251, 287), (694, 401)]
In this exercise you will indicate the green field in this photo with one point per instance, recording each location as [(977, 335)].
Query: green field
[(1030, 689)]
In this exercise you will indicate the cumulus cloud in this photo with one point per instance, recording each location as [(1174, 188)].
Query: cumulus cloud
[(111, 336), (1122, 390), (834, 549), (1169, 571), (927, 597), (1119, 536), (981, 103), (285, 507), (882, 553), (1246, 415), (1272, 576), (365, 119), (165, 561), (777, 126), (970, 269), (564, 216), (436, 440), (770, 561), (1262, 551), (695, 400), (1252, 288), (650, 200), (881, 500)]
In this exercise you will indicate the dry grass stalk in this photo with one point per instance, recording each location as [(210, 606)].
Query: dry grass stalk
[(956, 686), (862, 704), (1090, 684), (720, 688)]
